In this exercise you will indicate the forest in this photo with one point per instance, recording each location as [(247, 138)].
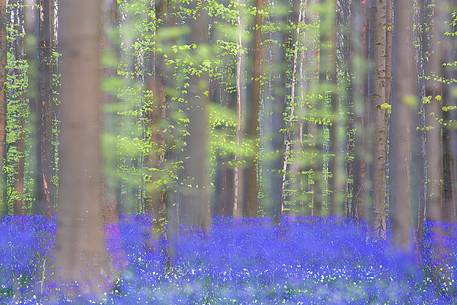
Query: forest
[(228, 152)]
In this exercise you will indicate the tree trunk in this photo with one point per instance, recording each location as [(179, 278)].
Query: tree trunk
[(275, 146), (293, 141), (252, 116), (328, 77), (81, 253), (403, 113), (314, 131), (360, 92), (3, 55), (434, 114), (380, 99), (43, 109), (156, 84), (434, 101), (194, 208), (419, 163), (240, 105)]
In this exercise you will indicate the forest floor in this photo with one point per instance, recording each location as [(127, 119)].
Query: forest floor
[(303, 261)]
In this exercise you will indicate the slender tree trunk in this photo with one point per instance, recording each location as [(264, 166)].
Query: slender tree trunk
[(32, 26), (360, 89), (419, 159), (194, 209), (327, 76), (434, 115), (252, 129), (403, 113), (299, 168), (314, 131), (389, 48), (240, 105), (225, 173), (156, 84), (275, 146), (380, 99), (344, 119), (291, 121), (81, 253), (3, 53), (43, 109)]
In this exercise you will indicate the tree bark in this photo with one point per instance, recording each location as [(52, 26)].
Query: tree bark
[(194, 209), (252, 116), (292, 139), (275, 146), (81, 253), (360, 88), (44, 109), (403, 114), (238, 183), (155, 203), (379, 99), (434, 114)]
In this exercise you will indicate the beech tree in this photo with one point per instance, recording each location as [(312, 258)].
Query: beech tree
[(155, 82), (251, 184), (44, 115), (81, 254), (194, 208), (403, 108), (380, 100), (360, 90)]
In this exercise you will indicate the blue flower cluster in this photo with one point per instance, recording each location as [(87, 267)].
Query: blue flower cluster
[(249, 261)]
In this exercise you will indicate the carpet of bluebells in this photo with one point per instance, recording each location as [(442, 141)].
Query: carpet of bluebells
[(303, 261)]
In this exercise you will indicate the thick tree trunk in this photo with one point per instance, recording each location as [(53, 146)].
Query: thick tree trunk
[(81, 253), (3, 53), (435, 208), (403, 113), (194, 208)]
